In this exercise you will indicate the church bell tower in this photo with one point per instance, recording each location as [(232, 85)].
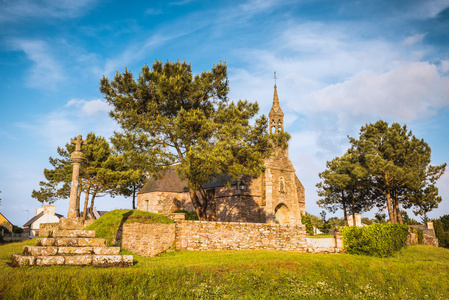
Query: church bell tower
[(276, 116)]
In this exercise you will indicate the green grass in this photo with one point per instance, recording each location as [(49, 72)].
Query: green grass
[(108, 224), (320, 236), (418, 272)]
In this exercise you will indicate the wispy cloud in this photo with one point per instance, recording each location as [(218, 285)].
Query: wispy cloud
[(46, 71), (90, 108), (416, 38), (76, 117), (15, 11)]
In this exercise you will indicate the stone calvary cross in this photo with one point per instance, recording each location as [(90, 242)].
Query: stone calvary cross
[(77, 157)]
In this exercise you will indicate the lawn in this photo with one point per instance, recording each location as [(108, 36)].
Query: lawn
[(417, 272)]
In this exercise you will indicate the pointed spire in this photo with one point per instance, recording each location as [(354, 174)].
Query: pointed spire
[(276, 115)]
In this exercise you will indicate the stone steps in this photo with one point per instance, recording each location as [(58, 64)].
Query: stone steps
[(71, 246), (73, 260)]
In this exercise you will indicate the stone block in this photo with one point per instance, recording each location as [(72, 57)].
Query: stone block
[(94, 242), (127, 260), (23, 260), (106, 250), (71, 223), (78, 260), (49, 260), (75, 250), (40, 251), (73, 233), (45, 242), (67, 242), (107, 260)]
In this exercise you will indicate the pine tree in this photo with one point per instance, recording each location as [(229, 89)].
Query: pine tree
[(187, 121)]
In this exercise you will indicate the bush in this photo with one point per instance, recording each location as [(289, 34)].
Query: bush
[(190, 215), (420, 237), (380, 240), (305, 219)]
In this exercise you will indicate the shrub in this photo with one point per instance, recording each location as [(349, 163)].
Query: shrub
[(420, 236), (380, 240), (190, 215), (305, 219)]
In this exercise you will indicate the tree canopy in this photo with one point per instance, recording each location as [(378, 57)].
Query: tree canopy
[(187, 121), (101, 173), (388, 166)]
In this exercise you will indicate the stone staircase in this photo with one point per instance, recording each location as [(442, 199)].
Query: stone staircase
[(71, 247)]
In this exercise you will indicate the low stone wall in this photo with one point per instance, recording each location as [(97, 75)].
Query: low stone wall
[(146, 239), (324, 245), (203, 235)]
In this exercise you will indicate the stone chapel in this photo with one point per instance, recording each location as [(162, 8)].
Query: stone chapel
[(277, 196)]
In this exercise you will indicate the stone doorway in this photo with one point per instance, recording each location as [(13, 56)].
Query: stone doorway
[(282, 214)]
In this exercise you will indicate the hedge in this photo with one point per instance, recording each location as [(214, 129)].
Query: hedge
[(379, 240)]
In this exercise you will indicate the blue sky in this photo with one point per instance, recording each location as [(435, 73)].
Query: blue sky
[(339, 64)]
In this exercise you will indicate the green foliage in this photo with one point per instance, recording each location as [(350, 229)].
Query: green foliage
[(418, 272), (185, 120), (306, 220), (440, 233), (190, 215), (380, 240), (109, 223), (445, 221), (420, 233), (386, 166)]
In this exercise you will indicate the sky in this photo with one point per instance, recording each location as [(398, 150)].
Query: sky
[(339, 65)]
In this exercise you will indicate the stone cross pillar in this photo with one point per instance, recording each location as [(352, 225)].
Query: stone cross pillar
[(77, 158)]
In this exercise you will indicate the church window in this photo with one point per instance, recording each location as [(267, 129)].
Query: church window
[(281, 185), (146, 204)]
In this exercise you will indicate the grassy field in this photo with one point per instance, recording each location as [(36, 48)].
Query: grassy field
[(418, 272)]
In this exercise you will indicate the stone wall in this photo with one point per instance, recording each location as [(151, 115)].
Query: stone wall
[(152, 239), (201, 235), (164, 203), (429, 237), (146, 239)]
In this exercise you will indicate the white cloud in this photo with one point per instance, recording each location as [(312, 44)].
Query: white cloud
[(417, 38), (90, 108), (21, 9), (444, 66), (409, 92), (45, 72)]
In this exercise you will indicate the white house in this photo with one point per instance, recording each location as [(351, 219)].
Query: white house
[(44, 214)]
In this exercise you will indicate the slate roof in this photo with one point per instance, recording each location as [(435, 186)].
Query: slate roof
[(169, 182), (36, 217)]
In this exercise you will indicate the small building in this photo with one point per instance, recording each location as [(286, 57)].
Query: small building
[(5, 223), (44, 214)]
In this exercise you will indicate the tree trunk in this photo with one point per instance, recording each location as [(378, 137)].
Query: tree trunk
[(77, 209), (91, 208), (398, 211), (344, 209), (134, 196), (389, 207), (197, 205), (86, 202), (353, 210)]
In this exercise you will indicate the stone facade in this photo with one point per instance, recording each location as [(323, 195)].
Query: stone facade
[(275, 197)]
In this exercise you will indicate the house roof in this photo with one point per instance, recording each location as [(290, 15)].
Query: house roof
[(169, 182), (36, 217)]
